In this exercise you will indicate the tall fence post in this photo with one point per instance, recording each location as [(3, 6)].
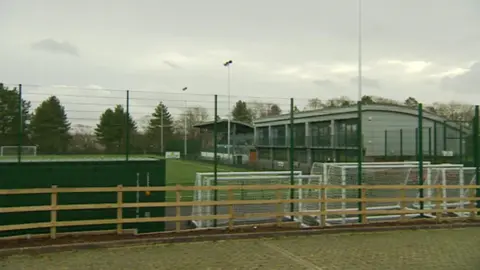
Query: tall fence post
[(292, 153), (127, 124), (385, 145), (430, 143), (401, 143), (359, 160), (435, 142), (420, 154), (20, 125), (460, 144), (476, 154), (215, 159)]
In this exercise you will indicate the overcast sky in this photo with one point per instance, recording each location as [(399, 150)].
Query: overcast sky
[(423, 48)]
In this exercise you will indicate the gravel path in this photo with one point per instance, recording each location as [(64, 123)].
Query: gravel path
[(422, 249)]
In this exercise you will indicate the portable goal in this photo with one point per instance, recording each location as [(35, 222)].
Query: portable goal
[(384, 174), (248, 213), (453, 176), (321, 168)]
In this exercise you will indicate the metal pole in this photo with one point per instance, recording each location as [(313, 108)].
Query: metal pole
[(460, 152), (229, 113), (292, 152), (185, 127), (401, 143), (476, 154), (420, 154), (359, 127), (162, 150), (20, 126), (127, 134), (435, 142), (185, 133), (227, 64), (215, 159), (385, 145)]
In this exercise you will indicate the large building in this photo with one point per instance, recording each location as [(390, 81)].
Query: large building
[(331, 135)]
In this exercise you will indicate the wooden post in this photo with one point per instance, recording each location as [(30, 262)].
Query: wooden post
[(279, 211), (323, 207), (403, 203), (231, 212), (53, 212), (119, 209), (438, 205), (178, 212), (364, 206), (473, 203)]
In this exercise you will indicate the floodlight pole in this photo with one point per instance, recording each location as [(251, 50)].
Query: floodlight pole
[(227, 64), (185, 128), (360, 50)]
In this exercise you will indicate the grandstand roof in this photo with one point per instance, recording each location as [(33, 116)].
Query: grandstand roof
[(222, 125)]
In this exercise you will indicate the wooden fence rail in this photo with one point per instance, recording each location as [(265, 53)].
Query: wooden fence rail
[(230, 202)]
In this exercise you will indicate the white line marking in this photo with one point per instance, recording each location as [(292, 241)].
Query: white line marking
[(195, 164), (291, 256)]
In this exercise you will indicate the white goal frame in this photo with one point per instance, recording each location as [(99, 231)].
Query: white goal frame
[(206, 179), (2, 149), (411, 167)]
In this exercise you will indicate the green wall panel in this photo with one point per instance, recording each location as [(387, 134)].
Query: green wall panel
[(82, 174)]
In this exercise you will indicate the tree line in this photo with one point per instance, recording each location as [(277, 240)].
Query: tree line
[(452, 111), (49, 128)]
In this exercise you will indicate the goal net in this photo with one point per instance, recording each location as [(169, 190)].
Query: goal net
[(449, 177), (321, 168), (384, 174), (250, 213), (11, 150)]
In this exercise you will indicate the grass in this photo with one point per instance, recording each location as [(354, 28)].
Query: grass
[(180, 172), (422, 249)]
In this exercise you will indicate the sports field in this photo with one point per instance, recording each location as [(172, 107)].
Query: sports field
[(454, 249)]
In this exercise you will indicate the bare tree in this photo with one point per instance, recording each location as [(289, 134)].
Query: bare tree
[(195, 115)]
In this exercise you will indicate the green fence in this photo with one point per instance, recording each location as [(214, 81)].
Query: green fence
[(82, 174), (124, 124), (363, 133)]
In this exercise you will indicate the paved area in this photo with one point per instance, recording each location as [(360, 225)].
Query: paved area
[(437, 249)]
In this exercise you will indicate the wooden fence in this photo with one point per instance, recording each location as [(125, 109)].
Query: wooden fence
[(280, 212)]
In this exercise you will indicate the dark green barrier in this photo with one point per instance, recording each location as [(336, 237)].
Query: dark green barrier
[(44, 174)]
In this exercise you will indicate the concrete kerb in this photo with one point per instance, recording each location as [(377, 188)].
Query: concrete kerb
[(220, 237)]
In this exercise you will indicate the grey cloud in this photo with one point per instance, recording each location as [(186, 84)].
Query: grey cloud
[(468, 82), (53, 46), (171, 64), (323, 83), (367, 82)]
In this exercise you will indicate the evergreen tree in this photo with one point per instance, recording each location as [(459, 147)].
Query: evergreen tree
[(50, 127), (112, 130), (161, 121), (12, 122), (241, 113)]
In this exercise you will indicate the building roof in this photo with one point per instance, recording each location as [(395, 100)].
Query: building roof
[(401, 109), (222, 126), (350, 109)]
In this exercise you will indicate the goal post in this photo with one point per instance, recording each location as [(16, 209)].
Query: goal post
[(391, 174), (12, 150), (250, 210)]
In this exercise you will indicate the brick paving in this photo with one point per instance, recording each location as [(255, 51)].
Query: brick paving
[(454, 249)]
